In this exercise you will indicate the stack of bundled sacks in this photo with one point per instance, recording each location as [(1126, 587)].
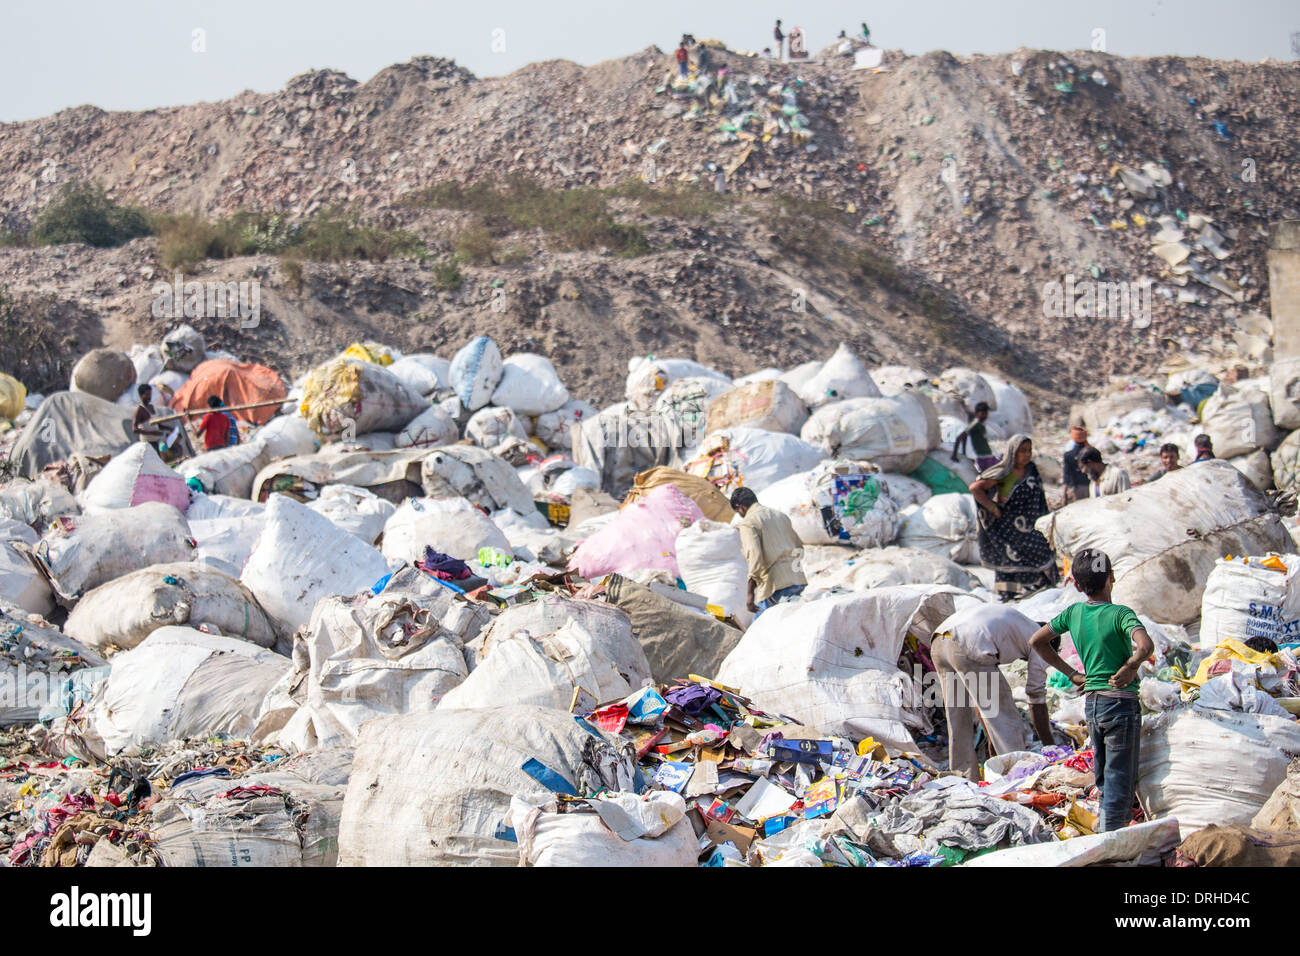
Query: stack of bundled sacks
[(417, 551)]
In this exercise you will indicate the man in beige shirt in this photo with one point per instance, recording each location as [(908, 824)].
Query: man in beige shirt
[(771, 550), (1103, 479)]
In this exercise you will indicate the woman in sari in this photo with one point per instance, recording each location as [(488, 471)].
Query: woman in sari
[(1010, 499)]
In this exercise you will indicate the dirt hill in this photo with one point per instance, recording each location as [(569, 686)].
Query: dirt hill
[(917, 211)]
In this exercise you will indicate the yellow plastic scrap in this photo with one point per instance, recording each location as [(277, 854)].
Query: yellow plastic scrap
[(13, 397), (1234, 650), (1081, 819), (1118, 224), (868, 747), (329, 387), (1139, 219), (371, 352)]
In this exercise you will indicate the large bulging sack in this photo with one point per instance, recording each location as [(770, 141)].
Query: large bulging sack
[(529, 385), (1165, 537), (20, 582), (882, 568), (349, 397), (838, 502), (1284, 393), (228, 471), (450, 526), (82, 552), (648, 377), (225, 543), (969, 387), (181, 683), (434, 788), (491, 425), (38, 659), (544, 667), (1208, 766), (183, 348), (122, 613), (549, 837), (301, 557), (476, 372), (770, 405), (104, 373), (13, 397), (711, 563), (213, 821), (1286, 463), (752, 458), (422, 374), (678, 641), (946, 525), (682, 408), (892, 379), (1239, 421), (643, 535), (428, 429), (893, 433), (833, 663), (1257, 467), (287, 435), (1249, 597), (1010, 412), (1097, 414), (133, 477), (355, 510), (842, 377), (354, 662), (555, 428), (464, 471)]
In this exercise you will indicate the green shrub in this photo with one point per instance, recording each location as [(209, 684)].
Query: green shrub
[(334, 235), (447, 276), (476, 244), (81, 212)]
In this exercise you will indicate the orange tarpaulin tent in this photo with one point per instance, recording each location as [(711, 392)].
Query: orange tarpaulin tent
[(235, 383)]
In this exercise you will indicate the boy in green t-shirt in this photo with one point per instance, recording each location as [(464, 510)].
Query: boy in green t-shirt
[(1112, 644)]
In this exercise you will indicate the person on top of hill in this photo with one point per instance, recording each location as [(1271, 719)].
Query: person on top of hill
[(779, 37), (683, 59)]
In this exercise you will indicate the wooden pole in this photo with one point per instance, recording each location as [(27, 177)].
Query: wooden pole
[(224, 408)]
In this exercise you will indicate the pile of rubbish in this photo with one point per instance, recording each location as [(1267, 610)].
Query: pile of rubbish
[(524, 621)]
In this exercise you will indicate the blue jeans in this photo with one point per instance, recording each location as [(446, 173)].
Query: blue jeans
[(785, 594), (1115, 726)]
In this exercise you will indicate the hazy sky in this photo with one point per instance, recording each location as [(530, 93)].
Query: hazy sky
[(136, 54)]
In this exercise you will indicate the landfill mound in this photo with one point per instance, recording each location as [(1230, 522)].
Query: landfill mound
[(426, 609), (966, 186)]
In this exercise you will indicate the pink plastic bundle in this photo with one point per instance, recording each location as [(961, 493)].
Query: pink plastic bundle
[(643, 535)]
